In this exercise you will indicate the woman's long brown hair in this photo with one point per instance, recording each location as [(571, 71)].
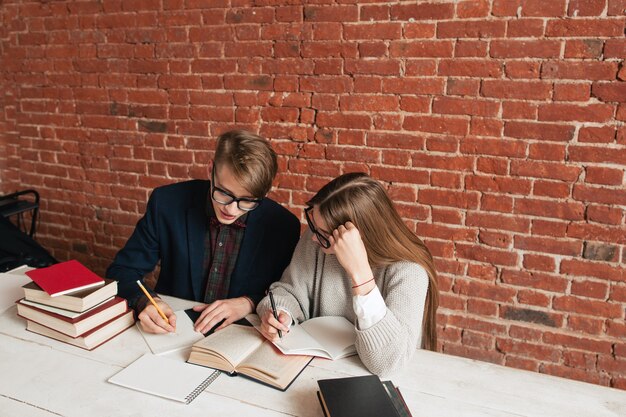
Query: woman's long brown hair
[(358, 198)]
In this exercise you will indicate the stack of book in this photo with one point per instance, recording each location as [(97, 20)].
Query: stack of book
[(70, 303), (362, 396)]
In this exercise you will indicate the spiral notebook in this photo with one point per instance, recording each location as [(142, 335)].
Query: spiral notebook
[(165, 377)]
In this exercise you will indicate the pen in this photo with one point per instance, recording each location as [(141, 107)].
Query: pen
[(280, 334), (153, 302)]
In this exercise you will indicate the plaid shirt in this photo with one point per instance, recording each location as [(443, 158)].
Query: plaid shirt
[(221, 249)]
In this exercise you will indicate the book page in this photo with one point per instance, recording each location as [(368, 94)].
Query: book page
[(299, 342), (268, 365), (335, 334), (234, 343), (184, 337)]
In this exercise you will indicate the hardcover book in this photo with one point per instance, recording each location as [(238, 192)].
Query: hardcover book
[(77, 302), (243, 350), (64, 278), (363, 396), (93, 338), (75, 326)]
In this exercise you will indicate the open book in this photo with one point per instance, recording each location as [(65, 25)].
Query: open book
[(330, 337), (239, 349)]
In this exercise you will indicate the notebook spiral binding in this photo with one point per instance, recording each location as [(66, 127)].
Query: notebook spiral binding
[(202, 387)]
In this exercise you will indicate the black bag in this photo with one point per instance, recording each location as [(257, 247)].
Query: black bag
[(17, 248)]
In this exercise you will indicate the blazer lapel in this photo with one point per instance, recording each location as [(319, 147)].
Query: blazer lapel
[(196, 227)]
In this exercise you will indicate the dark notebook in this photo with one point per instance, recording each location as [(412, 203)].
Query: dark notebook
[(363, 396)]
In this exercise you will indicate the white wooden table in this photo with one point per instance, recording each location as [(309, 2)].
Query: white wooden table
[(42, 377)]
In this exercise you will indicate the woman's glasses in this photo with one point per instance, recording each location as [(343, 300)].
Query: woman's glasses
[(225, 198), (323, 240)]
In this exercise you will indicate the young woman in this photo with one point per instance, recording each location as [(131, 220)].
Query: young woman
[(359, 260)]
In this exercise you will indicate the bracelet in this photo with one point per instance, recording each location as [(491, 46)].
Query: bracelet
[(363, 283)]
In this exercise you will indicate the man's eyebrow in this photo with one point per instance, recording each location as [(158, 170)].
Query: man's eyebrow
[(221, 187)]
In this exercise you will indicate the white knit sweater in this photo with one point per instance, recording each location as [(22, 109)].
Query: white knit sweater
[(315, 284)]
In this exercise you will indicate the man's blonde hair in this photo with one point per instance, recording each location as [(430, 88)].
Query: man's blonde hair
[(251, 159)]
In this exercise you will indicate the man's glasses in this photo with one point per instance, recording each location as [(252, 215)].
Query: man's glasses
[(323, 240), (225, 198)]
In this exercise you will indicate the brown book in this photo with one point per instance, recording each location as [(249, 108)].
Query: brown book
[(93, 338), (243, 350), (79, 302), (73, 326)]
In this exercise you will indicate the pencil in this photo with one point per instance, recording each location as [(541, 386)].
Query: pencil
[(153, 302), (280, 333)]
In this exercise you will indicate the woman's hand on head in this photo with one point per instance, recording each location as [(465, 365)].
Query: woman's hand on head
[(350, 251)]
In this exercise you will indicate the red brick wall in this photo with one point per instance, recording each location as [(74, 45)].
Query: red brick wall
[(497, 125)]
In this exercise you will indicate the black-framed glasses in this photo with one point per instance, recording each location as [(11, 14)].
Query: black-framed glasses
[(323, 240), (225, 198)]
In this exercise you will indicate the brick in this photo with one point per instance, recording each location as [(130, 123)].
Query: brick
[(607, 176), (424, 67), (462, 87), (442, 144), (586, 7), (525, 28), (540, 131), (599, 195), (377, 103), (585, 48), (572, 92), (533, 298), (468, 49), (499, 240), (329, 49), (479, 289), (484, 272), (326, 84), (423, 11), (471, 29), (394, 141), (421, 49), (496, 166), (410, 85), (419, 30), (595, 154), (615, 48), (604, 214), (498, 184), (579, 70), (529, 90), (494, 147), (552, 189), (372, 67), (585, 27), (598, 113), (528, 350), (525, 49), (609, 92), (531, 316), (480, 126), (478, 340), (556, 171), (600, 252), (469, 9), (403, 175), (435, 124), (548, 245), (522, 69), (373, 49), (441, 215), (372, 31), (448, 198), (470, 68), (592, 269), (448, 233), (343, 13), (343, 121), (446, 105), (590, 289), (374, 12), (415, 104), (535, 280)]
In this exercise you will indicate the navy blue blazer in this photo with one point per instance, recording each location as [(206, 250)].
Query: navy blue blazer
[(172, 232)]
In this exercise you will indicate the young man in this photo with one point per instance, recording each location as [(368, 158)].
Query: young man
[(220, 242)]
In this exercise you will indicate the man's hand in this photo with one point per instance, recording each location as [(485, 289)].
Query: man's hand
[(270, 326), (229, 310), (152, 322)]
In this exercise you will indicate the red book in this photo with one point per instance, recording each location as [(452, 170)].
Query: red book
[(73, 326), (64, 278)]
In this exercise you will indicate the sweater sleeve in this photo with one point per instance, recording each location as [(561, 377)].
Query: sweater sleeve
[(293, 293), (389, 344)]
